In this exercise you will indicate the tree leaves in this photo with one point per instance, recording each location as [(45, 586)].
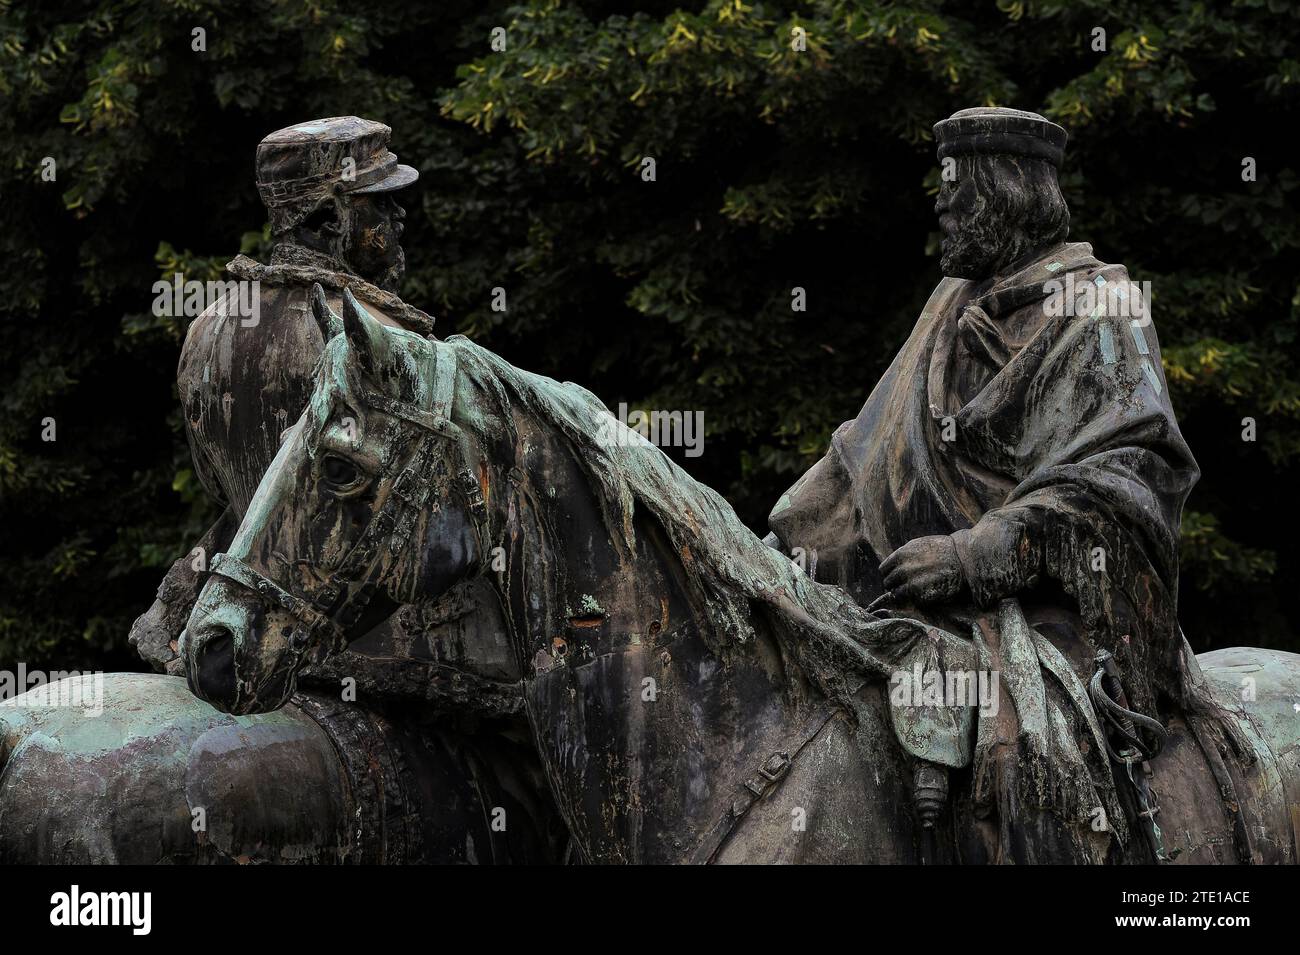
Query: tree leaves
[(776, 168)]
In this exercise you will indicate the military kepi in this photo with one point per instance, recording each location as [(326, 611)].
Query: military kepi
[(995, 130), (301, 166)]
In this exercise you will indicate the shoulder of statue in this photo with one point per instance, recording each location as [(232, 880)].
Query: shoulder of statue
[(305, 275)]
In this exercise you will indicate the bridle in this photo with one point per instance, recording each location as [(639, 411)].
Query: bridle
[(330, 610)]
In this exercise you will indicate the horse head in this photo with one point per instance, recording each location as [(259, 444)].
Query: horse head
[(370, 501)]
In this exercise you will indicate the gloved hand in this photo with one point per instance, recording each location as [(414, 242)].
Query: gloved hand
[(924, 570)]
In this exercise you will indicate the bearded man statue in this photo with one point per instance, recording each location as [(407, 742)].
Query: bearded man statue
[(329, 187), (1018, 475)]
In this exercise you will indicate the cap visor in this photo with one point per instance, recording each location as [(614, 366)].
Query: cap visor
[(399, 177)]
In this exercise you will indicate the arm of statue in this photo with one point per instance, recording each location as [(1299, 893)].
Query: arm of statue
[(924, 570), (999, 557), (155, 631)]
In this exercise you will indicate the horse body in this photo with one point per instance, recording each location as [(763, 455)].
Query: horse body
[(1262, 824), (655, 746), (74, 788), (676, 671), (153, 775), (653, 743)]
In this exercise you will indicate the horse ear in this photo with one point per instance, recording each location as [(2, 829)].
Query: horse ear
[(330, 324), (367, 339)]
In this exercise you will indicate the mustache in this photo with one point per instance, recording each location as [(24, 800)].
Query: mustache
[(382, 236)]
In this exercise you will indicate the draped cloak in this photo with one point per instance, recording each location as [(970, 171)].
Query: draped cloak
[(1030, 420)]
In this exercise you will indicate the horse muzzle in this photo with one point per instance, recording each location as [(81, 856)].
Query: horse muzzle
[(229, 660)]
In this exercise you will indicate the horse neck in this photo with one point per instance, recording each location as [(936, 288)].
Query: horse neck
[(621, 686), (567, 576)]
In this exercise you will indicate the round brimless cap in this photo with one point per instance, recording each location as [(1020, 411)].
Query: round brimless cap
[(995, 130)]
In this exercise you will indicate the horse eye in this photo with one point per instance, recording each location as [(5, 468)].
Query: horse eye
[(338, 471)]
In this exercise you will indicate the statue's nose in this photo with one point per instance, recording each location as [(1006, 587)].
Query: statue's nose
[(225, 618), (210, 668)]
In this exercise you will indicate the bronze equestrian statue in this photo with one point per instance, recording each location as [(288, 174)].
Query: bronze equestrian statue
[(1007, 502), (1020, 463), (414, 771)]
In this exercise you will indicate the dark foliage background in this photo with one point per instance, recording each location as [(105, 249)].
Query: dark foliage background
[(775, 169)]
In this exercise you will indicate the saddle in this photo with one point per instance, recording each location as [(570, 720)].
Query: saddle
[(1075, 743)]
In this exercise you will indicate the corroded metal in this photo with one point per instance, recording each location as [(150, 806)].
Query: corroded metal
[(433, 666), (161, 777), (690, 686), (490, 545)]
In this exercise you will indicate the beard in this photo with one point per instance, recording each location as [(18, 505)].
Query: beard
[(373, 250), (390, 280), (1008, 210), (963, 259), (975, 247)]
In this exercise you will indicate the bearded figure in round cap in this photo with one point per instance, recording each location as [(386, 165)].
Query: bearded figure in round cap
[(1018, 475)]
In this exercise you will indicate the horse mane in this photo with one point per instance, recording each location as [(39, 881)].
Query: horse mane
[(731, 572)]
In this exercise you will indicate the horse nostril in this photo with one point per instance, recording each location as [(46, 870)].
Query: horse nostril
[(216, 670)]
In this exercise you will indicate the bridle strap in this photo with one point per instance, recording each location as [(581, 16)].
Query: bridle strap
[(407, 412), (392, 524), (235, 569), (436, 416)]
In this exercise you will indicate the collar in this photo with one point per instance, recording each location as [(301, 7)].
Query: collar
[(286, 253), (307, 267), (1025, 283)]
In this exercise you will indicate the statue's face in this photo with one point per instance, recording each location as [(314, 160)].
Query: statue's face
[(372, 238), (974, 233), (363, 232), (996, 212)]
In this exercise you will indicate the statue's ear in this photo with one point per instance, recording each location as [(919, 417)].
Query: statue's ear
[(367, 339), (329, 323)]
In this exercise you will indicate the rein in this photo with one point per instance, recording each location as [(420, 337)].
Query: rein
[(332, 609)]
